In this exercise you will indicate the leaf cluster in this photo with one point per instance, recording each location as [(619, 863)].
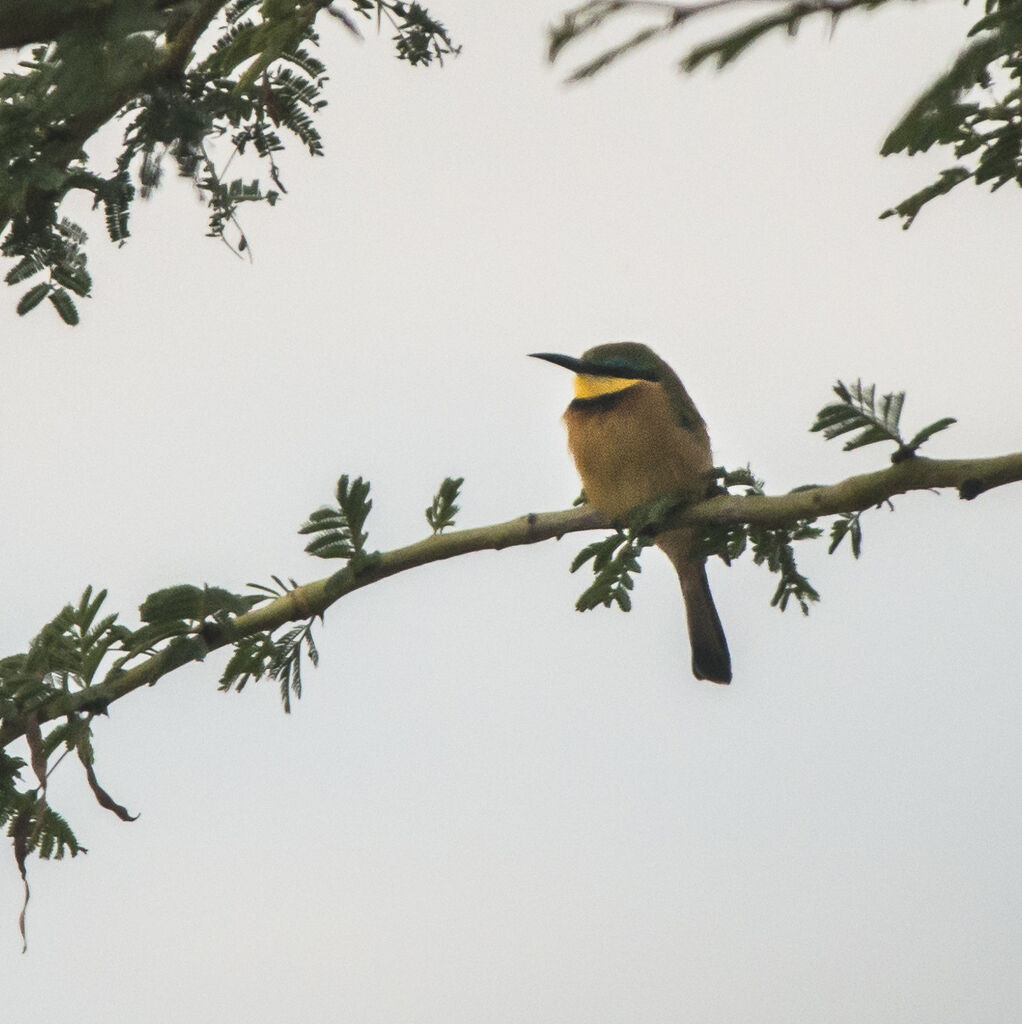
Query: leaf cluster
[(262, 654), (858, 409), (203, 87), (260, 77), (56, 249), (588, 18), (338, 532), (184, 610), (420, 38), (339, 529), (615, 559), (772, 547), (974, 108), (440, 514), (66, 655), (77, 651)]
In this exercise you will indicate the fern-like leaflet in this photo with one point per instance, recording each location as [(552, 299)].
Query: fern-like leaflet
[(858, 409)]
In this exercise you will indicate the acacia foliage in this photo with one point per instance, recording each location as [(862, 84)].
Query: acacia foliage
[(197, 83), (194, 84), (973, 110)]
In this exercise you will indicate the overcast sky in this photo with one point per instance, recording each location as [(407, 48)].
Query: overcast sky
[(488, 807)]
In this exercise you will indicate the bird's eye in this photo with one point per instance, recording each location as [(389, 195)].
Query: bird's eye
[(637, 372), (624, 371)]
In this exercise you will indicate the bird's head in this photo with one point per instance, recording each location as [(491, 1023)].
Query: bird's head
[(613, 367), (606, 369)]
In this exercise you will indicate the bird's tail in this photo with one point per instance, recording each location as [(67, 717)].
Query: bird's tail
[(710, 656)]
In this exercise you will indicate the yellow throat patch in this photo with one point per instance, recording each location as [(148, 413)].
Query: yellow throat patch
[(589, 385)]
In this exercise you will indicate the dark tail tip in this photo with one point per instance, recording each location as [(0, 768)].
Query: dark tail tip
[(711, 659), (712, 665)]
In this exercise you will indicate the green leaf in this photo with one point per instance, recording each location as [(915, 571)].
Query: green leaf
[(23, 270), (908, 209), (33, 297), (339, 530), (857, 410), (608, 57), (849, 524), (64, 305), (615, 559), (75, 278), (773, 547), (262, 655), (440, 514), (927, 432), (253, 657), (935, 115), (728, 47), (187, 602), (587, 553)]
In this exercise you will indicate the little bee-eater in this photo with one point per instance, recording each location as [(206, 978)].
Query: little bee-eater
[(636, 436)]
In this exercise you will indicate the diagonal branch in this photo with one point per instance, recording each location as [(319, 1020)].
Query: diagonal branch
[(37, 21), (179, 48), (969, 476), (587, 18)]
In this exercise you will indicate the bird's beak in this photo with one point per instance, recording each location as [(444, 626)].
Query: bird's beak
[(581, 365), (591, 369), (568, 362)]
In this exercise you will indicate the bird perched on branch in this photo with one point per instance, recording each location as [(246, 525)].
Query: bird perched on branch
[(636, 436)]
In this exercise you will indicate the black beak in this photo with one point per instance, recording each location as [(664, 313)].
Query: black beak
[(568, 362), (591, 368), (578, 365)]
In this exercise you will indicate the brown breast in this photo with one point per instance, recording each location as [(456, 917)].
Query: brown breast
[(629, 449)]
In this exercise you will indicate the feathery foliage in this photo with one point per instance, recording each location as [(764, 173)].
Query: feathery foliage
[(280, 658), (440, 514), (773, 547), (857, 409), (65, 655), (587, 19), (615, 559), (974, 108), (203, 86), (419, 37), (339, 533), (78, 649), (339, 530), (847, 525)]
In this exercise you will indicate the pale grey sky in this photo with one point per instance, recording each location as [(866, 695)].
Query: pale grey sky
[(486, 806)]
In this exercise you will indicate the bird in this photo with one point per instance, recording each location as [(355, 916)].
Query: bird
[(636, 436)]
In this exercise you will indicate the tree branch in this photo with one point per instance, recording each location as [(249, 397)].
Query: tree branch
[(969, 476), (23, 22), (37, 21), (587, 18), (179, 48)]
